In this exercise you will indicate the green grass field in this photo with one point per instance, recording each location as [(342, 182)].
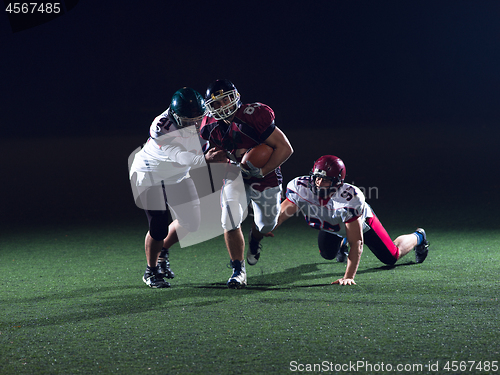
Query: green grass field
[(71, 260), (72, 301)]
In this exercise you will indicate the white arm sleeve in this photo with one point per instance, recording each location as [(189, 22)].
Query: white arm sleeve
[(179, 155)]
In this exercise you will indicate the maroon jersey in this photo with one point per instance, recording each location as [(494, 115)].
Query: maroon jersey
[(252, 125)]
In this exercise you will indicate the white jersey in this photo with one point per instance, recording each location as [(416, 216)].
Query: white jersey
[(169, 153), (347, 204)]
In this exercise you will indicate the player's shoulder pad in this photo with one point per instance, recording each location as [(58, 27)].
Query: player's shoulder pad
[(292, 184), (357, 195), (257, 112), (162, 124), (299, 185)]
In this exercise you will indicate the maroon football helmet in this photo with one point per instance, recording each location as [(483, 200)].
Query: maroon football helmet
[(327, 167)]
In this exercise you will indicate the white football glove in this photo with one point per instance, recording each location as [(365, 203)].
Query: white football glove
[(251, 171)]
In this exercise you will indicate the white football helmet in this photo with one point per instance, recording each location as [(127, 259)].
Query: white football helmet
[(217, 92)]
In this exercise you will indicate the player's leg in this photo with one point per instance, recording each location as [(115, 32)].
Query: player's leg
[(405, 243), (330, 245), (163, 259), (266, 209), (379, 242), (171, 238), (232, 216), (152, 249), (184, 202), (158, 230), (254, 245), (235, 243), (152, 200), (416, 240)]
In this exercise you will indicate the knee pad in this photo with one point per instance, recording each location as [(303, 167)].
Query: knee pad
[(329, 255), (329, 244)]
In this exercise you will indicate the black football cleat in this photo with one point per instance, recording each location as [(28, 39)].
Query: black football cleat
[(164, 265), (421, 250), (254, 248), (343, 252), (154, 280)]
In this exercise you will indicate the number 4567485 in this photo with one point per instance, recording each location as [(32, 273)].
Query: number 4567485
[(463, 366), (33, 8)]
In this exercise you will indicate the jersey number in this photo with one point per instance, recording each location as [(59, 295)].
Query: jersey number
[(251, 108), (303, 181), (318, 224)]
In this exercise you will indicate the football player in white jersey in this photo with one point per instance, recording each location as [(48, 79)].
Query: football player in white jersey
[(339, 210), (159, 176)]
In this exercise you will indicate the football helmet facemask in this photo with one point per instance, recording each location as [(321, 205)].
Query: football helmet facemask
[(327, 167), (188, 108), (218, 92)]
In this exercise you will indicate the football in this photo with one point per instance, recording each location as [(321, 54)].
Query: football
[(258, 155)]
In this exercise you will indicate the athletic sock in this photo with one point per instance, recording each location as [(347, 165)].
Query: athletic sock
[(420, 237), (253, 241), (153, 270)]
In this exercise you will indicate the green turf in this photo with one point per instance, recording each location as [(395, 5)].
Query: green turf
[(72, 301)]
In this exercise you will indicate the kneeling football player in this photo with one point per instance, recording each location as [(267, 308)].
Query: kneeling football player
[(338, 209)]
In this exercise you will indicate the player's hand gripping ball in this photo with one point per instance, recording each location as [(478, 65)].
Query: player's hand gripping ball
[(254, 159)]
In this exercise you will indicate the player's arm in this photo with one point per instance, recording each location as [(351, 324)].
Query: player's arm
[(180, 155), (282, 150), (354, 231), (215, 155), (287, 210)]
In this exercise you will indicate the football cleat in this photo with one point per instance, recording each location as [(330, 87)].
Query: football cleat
[(239, 278), (154, 280), (421, 250), (343, 252), (254, 248), (164, 265)]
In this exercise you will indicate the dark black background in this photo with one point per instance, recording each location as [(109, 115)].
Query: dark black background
[(407, 93)]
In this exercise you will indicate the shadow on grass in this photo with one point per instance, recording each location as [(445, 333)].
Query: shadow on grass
[(90, 303), (283, 279), (386, 267)]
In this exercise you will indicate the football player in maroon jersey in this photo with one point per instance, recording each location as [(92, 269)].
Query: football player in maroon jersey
[(235, 127)]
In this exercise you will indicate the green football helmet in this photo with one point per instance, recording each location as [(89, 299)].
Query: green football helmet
[(188, 108)]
